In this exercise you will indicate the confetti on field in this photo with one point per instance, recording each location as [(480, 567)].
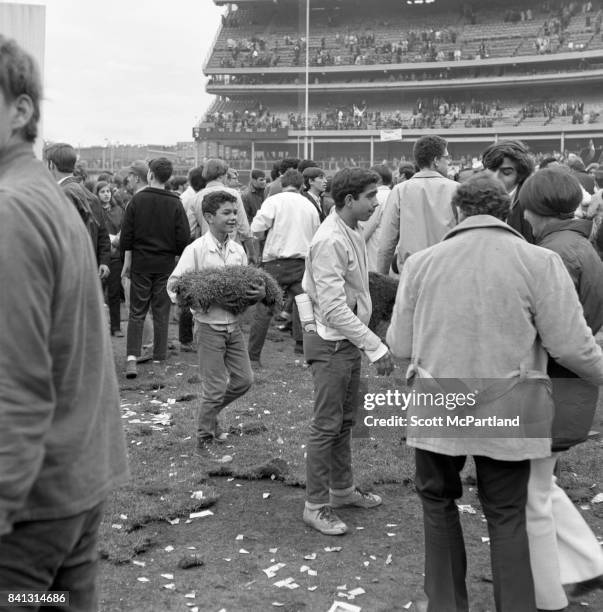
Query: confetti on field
[(242, 551), (342, 606), (332, 549), (271, 571), (171, 586), (116, 526), (139, 563), (407, 606), (467, 508), (312, 572), (190, 595), (392, 525), (366, 563), (388, 560), (123, 517), (168, 576), (311, 556), (197, 495), (142, 579), (173, 521), (169, 548), (485, 540), (201, 514), (312, 588), (278, 604), (240, 537), (272, 550), (265, 495), (391, 535), (597, 499), (359, 528), (288, 583), (357, 591)]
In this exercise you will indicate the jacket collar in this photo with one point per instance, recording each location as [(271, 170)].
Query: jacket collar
[(580, 226), (426, 173), (23, 150), (481, 222)]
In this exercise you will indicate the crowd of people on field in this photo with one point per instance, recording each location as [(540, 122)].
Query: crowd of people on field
[(499, 295)]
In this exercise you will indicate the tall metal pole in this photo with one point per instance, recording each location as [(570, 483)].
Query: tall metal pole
[(307, 122)]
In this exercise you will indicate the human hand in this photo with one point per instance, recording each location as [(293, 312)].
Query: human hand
[(385, 365), (256, 292), (228, 302), (103, 271)]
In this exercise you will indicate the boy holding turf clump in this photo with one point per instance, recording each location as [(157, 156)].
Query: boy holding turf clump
[(223, 359)]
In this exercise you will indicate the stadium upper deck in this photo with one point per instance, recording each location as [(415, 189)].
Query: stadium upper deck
[(384, 55)]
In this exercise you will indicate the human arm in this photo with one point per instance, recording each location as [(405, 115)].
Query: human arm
[(127, 267), (399, 335), (28, 396), (390, 231)]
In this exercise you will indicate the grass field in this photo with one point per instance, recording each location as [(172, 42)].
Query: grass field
[(147, 536)]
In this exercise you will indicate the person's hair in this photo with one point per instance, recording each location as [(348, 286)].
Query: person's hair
[(257, 174), (310, 174), (292, 178), (214, 169), (275, 170), (384, 172), (288, 162), (62, 155), (162, 169), (547, 161), (407, 170), (516, 150), (213, 200), (306, 163), (177, 181), (100, 185), (427, 148), (19, 75), (554, 189), (482, 194), (575, 162), (195, 178), (351, 181), (105, 176)]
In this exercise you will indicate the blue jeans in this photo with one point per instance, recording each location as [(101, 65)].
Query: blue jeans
[(53, 555), (148, 290), (503, 491), (336, 372), (225, 370)]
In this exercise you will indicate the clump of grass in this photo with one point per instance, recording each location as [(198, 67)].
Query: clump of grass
[(199, 290)]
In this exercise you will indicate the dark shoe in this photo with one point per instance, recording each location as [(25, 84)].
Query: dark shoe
[(208, 449), (299, 348), (187, 347), (117, 333), (131, 371), (324, 520), (581, 589)]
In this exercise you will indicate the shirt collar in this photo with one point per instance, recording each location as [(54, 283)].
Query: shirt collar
[(216, 245), (480, 222)]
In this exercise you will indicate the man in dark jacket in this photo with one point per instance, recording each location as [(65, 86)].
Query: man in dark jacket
[(154, 232), (61, 159), (62, 447)]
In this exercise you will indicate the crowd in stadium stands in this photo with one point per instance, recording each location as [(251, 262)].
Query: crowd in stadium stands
[(442, 43)]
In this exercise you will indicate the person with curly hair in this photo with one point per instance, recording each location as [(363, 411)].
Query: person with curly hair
[(512, 164), (497, 301)]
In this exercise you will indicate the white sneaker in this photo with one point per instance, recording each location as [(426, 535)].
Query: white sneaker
[(357, 498), (324, 520)]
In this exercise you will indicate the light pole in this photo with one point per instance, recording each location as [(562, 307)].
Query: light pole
[(307, 122)]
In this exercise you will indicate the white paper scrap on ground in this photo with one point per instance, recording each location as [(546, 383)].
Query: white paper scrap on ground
[(357, 591), (332, 549), (200, 514), (139, 563), (169, 548), (173, 521), (142, 579), (190, 595), (466, 508), (312, 588), (597, 499), (278, 604), (242, 551), (239, 537), (197, 495), (342, 606), (388, 560), (271, 571), (168, 576), (265, 495), (310, 557), (407, 606), (312, 572), (272, 550), (485, 539), (288, 583), (171, 586)]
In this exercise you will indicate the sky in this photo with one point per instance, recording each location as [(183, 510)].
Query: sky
[(125, 71)]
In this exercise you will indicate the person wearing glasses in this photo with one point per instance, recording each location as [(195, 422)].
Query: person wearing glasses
[(418, 212)]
